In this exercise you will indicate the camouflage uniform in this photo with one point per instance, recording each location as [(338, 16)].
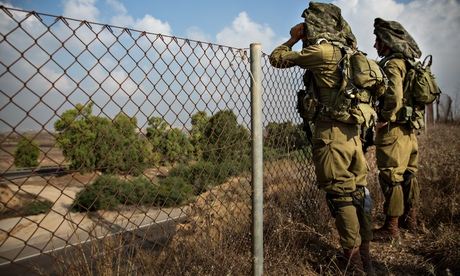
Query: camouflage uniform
[(337, 150), (396, 143)]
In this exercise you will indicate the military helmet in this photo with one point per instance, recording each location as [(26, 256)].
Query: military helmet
[(325, 21), (394, 36)]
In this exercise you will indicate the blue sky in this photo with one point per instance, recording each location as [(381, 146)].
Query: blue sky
[(206, 19), (434, 24)]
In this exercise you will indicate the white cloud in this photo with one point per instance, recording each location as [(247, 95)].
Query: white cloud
[(244, 31), (148, 23), (81, 9), (433, 24), (196, 33), (152, 25), (117, 6)]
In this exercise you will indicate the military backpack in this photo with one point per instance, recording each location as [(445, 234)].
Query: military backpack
[(420, 84), (363, 81), (360, 72)]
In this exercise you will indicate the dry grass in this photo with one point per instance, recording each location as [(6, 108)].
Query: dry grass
[(299, 236)]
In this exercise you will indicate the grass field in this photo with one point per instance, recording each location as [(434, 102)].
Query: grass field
[(299, 234)]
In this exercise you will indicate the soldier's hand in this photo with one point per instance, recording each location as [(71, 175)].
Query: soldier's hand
[(297, 31)]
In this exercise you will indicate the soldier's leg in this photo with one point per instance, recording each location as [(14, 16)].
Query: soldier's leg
[(333, 154), (347, 224), (364, 209), (393, 205), (411, 190)]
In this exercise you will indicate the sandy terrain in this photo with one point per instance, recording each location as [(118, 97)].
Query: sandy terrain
[(24, 236)]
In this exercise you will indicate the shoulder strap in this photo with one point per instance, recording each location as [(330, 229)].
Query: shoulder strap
[(384, 61)]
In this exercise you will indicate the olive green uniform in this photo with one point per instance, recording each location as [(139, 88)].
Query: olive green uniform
[(396, 145), (339, 161)]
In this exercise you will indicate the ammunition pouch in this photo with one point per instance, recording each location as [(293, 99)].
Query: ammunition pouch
[(417, 120), (307, 105), (405, 114), (413, 116)]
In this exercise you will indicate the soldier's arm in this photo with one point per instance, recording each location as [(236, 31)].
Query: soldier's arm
[(393, 98), (283, 56)]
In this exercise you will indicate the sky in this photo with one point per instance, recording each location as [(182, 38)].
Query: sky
[(434, 24)]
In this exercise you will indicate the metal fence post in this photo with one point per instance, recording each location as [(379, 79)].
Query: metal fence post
[(257, 158)]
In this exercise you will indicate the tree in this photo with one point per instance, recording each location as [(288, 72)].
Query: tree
[(156, 135), (197, 139), (225, 139), (169, 144), (76, 137), (26, 153), (177, 147), (284, 136), (95, 143), (121, 149)]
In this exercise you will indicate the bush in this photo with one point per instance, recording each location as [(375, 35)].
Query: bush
[(285, 137), (200, 175), (168, 144), (26, 153), (173, 191), (37, 207), (102, 194), (108, 192), (204, 175)]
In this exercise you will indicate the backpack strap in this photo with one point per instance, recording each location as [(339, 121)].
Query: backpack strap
[(384, 61)]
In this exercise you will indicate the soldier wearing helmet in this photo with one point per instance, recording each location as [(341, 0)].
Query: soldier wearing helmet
[(396, 141), (340, 165)]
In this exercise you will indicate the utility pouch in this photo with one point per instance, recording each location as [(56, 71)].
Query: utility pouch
[(405, 114), (307, 104), (417, 121)]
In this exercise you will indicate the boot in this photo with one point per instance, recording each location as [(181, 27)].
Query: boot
[(389, 231), (353, 260), (368, 267), (409, 220)]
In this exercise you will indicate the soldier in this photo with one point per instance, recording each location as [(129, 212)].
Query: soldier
[(339, 161), (396, 141)]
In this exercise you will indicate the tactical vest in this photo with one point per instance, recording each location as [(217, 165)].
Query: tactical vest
[(347, 103)]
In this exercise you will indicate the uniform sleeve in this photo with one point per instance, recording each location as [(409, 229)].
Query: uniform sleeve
[(283, 57), (393, 97)]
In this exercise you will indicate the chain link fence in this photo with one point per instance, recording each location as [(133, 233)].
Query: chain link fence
[(121, 145)]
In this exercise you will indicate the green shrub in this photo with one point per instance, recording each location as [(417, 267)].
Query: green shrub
[(204, 175), (102, 194), (172, 191), (285, 136), (37, 207), (108, 192), (26, 153)]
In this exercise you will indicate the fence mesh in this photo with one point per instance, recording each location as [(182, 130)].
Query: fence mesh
[(116, 142)]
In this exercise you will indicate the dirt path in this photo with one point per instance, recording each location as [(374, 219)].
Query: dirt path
[(21, 237)]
